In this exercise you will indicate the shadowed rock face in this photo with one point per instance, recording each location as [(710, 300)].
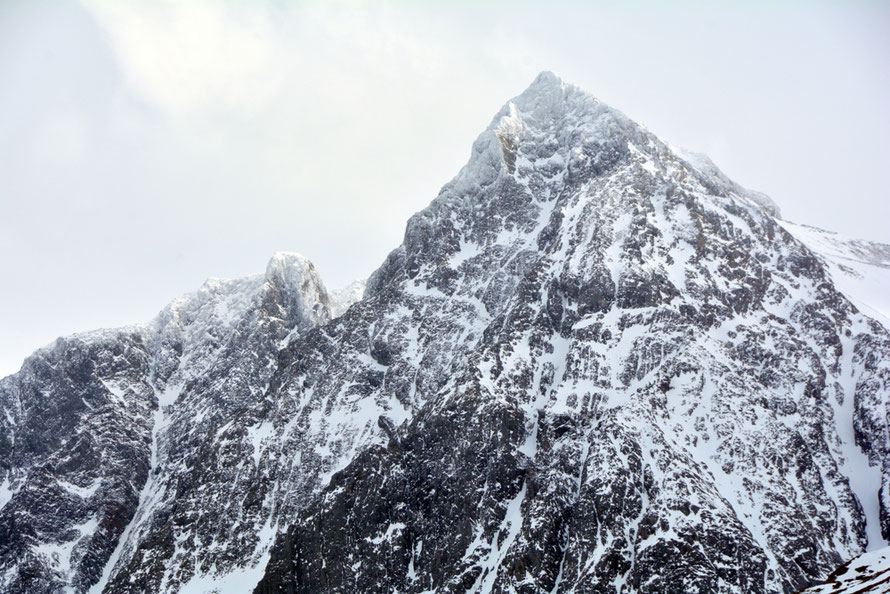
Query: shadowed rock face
[(593, 365)]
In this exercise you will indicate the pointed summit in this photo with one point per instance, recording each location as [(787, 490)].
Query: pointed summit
[(554, 126), (549, 97), (546, 78), (548, 125)]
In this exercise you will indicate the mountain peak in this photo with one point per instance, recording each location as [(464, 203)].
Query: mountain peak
[(548, 98), (297, 288), (546, 78), (286, 260)]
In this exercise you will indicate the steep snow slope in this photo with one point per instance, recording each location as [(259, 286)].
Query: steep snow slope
[(860, 269)]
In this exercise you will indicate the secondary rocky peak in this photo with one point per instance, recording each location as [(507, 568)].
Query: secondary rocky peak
[(294, 286), (108, 415), (287, 264)]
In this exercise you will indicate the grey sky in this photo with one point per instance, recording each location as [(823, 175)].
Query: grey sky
[(147, 146)]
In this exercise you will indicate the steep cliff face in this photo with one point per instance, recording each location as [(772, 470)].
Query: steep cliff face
[(594, 364)]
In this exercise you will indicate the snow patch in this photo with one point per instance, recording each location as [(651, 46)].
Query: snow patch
[(867, 574), (511, 524), (256, 435), (82, 492), (6, 492), (392, 529)]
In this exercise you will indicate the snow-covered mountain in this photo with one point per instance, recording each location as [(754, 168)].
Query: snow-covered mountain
[(594, 364)]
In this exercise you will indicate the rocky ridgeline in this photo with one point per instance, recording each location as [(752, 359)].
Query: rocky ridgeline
[(594, 364)]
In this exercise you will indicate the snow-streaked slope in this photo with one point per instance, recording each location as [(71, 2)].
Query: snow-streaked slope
[(860, 269)]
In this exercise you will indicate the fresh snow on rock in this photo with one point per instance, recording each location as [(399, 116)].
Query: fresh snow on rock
[(595, 363), (661, 378)]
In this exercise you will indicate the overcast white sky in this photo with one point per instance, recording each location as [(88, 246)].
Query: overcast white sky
[(147, 146)]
